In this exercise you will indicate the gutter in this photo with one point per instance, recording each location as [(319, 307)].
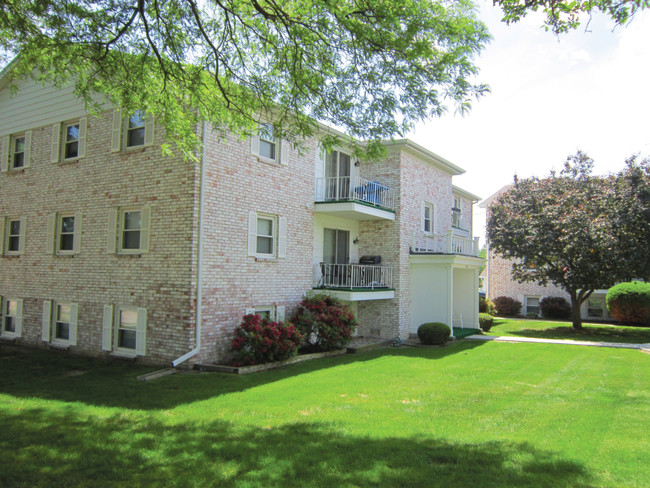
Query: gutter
[(199, 273)]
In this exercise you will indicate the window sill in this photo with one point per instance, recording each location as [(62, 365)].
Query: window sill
[(272, 162), (14, 171), (11, 255), (8, 338), (59, 346), (265, 258)]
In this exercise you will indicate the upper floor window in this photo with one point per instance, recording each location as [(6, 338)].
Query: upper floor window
[(268, 147), (64, 233), (136, 129), (16, 151), (267, 235), (129, 230), (133, 131), (69, 140), (427, 218), (12, 235), (456, 213)]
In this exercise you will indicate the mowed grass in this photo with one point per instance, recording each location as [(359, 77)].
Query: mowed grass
[(564, 330), (469, 414)]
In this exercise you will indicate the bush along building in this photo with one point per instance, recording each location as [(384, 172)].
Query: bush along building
[(110, 248)]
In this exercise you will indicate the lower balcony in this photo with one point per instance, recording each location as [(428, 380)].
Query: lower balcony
[(449, 243), (356, 282)]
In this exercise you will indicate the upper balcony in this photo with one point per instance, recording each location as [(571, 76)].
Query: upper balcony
[(449, 243), (356, 198)]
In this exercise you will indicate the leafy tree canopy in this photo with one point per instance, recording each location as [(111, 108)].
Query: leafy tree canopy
[(372, 68), (577, 231), (564, 15)]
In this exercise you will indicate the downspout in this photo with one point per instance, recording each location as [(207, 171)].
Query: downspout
[(199, 273)]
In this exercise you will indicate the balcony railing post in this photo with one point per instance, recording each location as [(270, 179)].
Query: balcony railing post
[(450, 241)]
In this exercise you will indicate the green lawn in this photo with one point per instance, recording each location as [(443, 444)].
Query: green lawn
[(470, 414), (564, 330)]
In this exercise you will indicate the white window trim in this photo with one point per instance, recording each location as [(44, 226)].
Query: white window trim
[(603, 308), (276, 313), (5, 229), (279, 237), (281, 150), (116, 226), (59, 136), (7, 152), (110, 331), (432, 213), (457, 210), (18, 318), (54, 222), (48, 330), (539, 303), (119, 132)]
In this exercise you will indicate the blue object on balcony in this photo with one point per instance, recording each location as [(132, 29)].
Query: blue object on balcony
[(370, 192)]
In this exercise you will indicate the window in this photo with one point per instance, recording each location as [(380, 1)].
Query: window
[(129, 230), (64, 233), (456, 213), (12, 317), (12, 236), (16, 151), (69, 140), (427, 218), (59, 323), (124, 332), (133, 131), (595, 308), (267, 142), (265, 230), (268, 312), (267, 235), (532, 305), (267, 147)]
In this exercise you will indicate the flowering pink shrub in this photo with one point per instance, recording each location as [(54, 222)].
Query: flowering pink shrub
[(259, 341), (325, 322)]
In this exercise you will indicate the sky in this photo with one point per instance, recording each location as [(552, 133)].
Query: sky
[(550, 97)]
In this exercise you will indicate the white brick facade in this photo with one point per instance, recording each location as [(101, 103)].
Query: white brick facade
[(148, 298)]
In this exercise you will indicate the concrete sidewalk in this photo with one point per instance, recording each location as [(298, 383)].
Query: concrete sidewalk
[(620, 345)]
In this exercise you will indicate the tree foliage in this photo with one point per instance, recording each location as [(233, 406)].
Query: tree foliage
[(564, 15), (371, 68), (577, 231)]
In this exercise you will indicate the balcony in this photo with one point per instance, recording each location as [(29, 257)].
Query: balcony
[(445, 244), (354, 198), (356, 282)]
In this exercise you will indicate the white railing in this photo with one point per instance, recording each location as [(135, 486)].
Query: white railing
[(445, 244), (348, 188), (355, 276)]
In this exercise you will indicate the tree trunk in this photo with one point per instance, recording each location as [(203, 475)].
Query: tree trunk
[(575, 310)]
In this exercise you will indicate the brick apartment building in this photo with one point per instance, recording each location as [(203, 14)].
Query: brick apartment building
[(110, 248)]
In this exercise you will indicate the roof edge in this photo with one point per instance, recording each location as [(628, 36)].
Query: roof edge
[(439, 161), (465, 193)]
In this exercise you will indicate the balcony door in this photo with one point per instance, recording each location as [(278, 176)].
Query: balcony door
[(337, 174), (336, 254)]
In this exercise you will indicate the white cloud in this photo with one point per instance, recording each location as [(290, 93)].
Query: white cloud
[(550, 97)]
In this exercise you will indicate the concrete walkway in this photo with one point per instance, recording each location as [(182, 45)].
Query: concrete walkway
[(620, 345)]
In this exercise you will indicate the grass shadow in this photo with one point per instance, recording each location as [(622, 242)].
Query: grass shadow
[(27, 372), (57, 448)]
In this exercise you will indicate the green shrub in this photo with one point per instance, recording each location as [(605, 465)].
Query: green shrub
[(507, 306), (555, 308), (485, 321), (259, 341), (434, 333), (630, 302), (324, 322), (486, 306)]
